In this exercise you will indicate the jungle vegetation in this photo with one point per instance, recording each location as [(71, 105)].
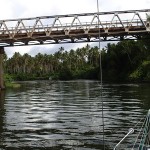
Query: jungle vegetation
[(122, 61)]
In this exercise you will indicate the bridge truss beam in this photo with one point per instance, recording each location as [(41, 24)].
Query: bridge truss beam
[(75, 28)]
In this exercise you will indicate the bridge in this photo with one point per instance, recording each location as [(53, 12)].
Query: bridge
[(73, 28)]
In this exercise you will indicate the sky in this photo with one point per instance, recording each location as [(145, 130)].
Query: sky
[(13, 9)]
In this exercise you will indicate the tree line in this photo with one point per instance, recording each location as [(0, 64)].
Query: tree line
[(122, 61)]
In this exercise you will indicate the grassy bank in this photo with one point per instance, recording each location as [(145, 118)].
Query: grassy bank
[(9, 82)]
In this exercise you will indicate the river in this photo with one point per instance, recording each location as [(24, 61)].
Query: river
[(68, 115)]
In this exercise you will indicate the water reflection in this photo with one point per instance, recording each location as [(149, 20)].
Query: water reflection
[(2, 114), (67, 115)]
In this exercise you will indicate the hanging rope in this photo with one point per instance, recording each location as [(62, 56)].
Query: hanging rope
[(101, 79)]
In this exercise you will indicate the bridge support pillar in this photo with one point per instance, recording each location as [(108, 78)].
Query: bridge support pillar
[(2, 86)]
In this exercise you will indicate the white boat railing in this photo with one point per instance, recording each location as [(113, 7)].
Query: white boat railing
[(131, 130), (142, 141)]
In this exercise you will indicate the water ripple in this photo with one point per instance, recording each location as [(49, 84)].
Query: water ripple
[(67, 115)]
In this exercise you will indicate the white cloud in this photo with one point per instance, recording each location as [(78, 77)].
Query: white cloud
[(21, 49), (32, 8)]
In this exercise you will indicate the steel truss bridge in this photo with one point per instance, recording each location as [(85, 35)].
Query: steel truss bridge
[(75, 28)]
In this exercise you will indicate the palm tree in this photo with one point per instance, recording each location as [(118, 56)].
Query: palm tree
[(27, 63), (16, 62)]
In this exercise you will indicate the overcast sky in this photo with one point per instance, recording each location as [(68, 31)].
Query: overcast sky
[(33, 8)]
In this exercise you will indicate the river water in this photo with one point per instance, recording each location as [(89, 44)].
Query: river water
[(68, 115)]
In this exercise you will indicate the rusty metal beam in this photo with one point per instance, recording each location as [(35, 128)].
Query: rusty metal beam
[(45, 29)]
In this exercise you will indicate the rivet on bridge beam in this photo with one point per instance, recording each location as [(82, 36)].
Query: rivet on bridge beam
[(56, 18), (41, 42), (19, 20), (37, 19), (136, 13), (76, 17)]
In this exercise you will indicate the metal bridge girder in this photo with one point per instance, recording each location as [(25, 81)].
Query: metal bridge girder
[(54, 29)]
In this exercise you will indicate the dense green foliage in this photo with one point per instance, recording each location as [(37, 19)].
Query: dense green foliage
[(124, 61), (9, 83)]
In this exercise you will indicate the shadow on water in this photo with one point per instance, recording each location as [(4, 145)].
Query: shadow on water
[(2, 114)]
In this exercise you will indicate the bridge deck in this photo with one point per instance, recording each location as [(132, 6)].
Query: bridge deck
[(54, 30)]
